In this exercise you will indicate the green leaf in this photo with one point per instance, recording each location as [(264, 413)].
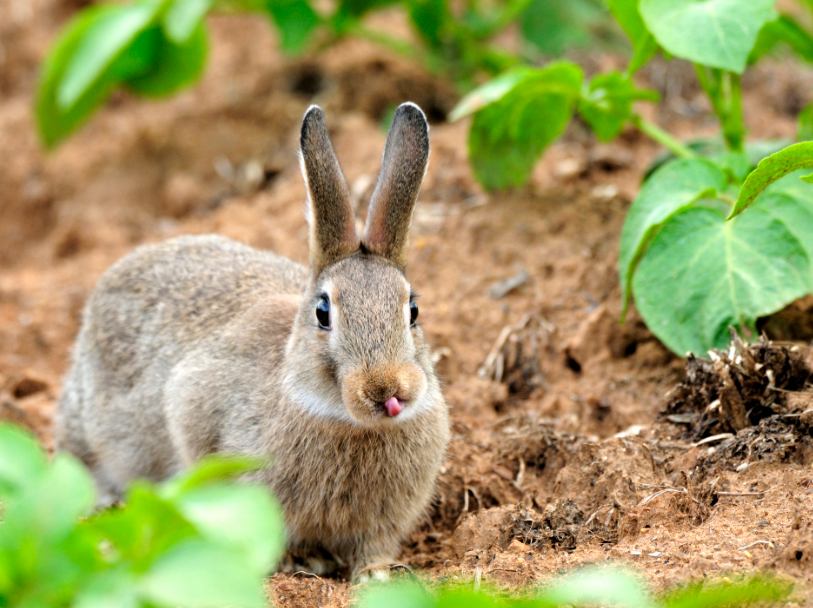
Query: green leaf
[(54, 120), (200, 574), (785, 30), (672, 187), (702, 274), (595, 585), (145, 528), (209, 469), (508, 135), (759, 589), (644, 45), (45, 511), (175, 66), (492, 91), (183, 18), (771, 169), (22, 460), (115, 587), (295, 21), (101, 44), (395, 595), (243, 516), (606, 103), (716, 33)]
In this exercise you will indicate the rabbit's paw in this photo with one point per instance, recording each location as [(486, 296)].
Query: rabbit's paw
[(382, 573)]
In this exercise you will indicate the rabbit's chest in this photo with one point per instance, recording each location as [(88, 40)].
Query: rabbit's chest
[(344, 486)]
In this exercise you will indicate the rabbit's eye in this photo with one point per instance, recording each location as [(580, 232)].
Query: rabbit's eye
[(323, 313), (413, 312)]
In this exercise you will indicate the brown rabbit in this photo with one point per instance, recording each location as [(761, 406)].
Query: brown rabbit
[(201, 345)]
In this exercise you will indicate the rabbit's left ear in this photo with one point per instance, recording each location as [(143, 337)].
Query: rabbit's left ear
[(402, 170)]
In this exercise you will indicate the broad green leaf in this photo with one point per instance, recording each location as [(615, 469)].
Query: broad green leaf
[(47, 508), (107, 38), (395, 595), (147, 527), (508, 135), (115, 587), (716, 33), (792, 185), (606, 103), (22, 460), (771, 169), (805, 121), (456, 597), (200, 574), (643, 44), (212, 468), (736, 164), (797, 215), (702, 274), (54, 121), (671, 188), (242, 516), (492, 91), (609, 586), (295, 21), (175, 66), (183, 17)]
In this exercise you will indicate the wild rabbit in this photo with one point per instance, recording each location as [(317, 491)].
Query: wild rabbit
[(202, 344)]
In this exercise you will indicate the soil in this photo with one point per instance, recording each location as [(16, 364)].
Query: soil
[(576, 439)]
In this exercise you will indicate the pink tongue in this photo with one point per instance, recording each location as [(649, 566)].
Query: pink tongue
[(394, 406)]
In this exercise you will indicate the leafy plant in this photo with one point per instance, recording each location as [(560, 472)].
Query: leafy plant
[(591, 586), (692, 273), (194, 541)]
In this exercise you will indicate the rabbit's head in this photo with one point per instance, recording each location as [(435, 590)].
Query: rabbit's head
[(356, 353)]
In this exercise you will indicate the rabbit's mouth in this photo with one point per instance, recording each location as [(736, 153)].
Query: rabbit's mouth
[(394, 406), (372, 395)]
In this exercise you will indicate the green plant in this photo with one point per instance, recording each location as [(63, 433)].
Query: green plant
[(156, 47), (593, 586), (194, 541), (692, 273)]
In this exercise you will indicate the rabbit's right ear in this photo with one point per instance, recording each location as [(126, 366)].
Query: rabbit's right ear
[(330, 215)]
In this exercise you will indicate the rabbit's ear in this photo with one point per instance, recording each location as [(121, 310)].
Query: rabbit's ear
[(402, 171), (332, 226)]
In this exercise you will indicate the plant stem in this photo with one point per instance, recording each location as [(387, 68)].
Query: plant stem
[(733, 128), (662, 137), (725, 93)]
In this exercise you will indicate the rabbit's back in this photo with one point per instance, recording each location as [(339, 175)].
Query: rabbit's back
[(151, 311)]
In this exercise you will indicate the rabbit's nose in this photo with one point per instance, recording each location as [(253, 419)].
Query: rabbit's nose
[(381, 392)]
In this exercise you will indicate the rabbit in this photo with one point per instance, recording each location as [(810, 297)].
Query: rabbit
[(201, 344)]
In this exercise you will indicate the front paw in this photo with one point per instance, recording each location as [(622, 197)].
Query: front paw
[(382, 573)]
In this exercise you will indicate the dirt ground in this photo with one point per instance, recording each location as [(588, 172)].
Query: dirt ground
[(572, 440)]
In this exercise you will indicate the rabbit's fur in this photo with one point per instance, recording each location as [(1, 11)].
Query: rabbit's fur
[(201, 345)]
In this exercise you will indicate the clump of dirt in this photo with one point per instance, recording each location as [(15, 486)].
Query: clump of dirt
[(559, 525), (739, 388)]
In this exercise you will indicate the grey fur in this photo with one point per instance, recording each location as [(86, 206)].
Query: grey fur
[(201, 345)]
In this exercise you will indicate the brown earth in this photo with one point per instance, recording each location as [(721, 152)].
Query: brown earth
[(560, 455)]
